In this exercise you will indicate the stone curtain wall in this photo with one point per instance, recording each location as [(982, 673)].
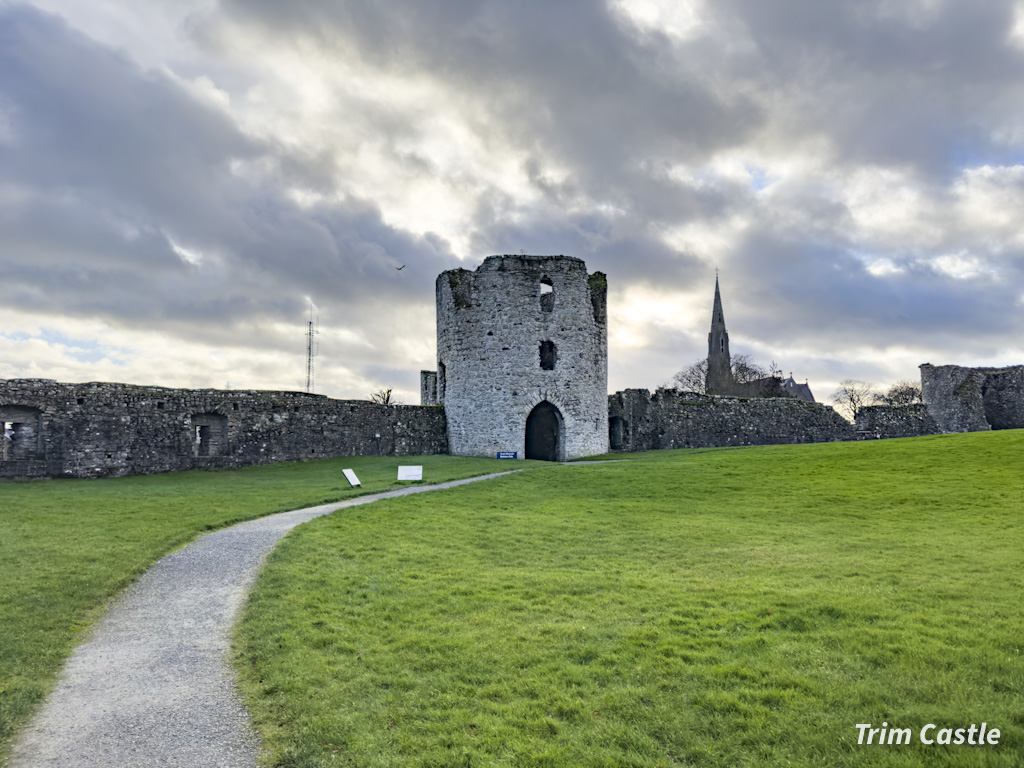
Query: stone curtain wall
[(518, 331), (974, 399), (97, 429), (956, 399), (640, 421), (883, 421)]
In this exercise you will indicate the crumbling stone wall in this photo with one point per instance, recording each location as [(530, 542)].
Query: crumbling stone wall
[(640, 421), (517, 332), (99, 429), (973, 399), (428, 388), (1002, 397), (884, 421)]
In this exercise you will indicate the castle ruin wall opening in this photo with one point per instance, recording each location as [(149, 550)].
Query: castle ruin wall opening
[(22, 436), (547, 295), (545, 430), (210, 435)]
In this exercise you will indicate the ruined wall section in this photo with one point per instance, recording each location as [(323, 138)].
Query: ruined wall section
[(974, 399), (640, 421), (517, 331), (1002, 397), (953, 396), (428, 388), (101, 429), (876, 422)]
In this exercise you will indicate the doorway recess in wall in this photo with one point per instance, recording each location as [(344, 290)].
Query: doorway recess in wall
[(22, 435), (544, 433), (209, 434)]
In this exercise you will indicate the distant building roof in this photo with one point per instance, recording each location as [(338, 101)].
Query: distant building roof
[(797, 390)]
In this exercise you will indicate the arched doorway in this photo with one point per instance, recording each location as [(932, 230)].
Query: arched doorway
[(544, 432)]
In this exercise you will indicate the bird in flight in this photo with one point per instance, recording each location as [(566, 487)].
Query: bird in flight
[(400, 268)]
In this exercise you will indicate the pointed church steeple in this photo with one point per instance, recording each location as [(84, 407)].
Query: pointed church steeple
[(717, 316), (719, 377)]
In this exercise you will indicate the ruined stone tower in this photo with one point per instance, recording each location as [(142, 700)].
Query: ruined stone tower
[(522, 358), (719, 376)]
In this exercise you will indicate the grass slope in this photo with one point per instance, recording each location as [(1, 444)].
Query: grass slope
[(734, 607), (68, 546)]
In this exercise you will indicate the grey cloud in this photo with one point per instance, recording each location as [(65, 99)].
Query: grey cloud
[(817, 294), (563, 77), (112, 163), (925, 90), (569, 81)]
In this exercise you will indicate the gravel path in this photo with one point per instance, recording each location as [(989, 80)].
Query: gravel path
[(153, 685)]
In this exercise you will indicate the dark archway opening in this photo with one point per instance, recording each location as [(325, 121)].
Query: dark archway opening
[(543, 432), (616, 433)]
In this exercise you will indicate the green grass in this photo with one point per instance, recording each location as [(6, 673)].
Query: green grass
[(736, 607), (68, 546)]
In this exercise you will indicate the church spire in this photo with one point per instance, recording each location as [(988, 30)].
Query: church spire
[(717, 316), (719, 377)]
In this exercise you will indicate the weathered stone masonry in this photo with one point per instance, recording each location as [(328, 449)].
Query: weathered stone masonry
[(974, 399), (520, 340), (956, 399), (98, 429), (884, 421), (640, 421)]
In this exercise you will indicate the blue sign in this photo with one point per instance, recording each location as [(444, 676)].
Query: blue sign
[(508, 455)]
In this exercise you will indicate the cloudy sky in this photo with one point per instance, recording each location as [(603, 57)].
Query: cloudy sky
[(179, 179)]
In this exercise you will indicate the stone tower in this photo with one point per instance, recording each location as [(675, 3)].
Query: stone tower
[(719, 376), (522, 358)]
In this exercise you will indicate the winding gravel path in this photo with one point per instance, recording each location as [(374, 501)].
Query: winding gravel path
[(153, 685)]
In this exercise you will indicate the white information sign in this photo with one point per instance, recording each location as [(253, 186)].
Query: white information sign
[(351, 477), (410, 473)]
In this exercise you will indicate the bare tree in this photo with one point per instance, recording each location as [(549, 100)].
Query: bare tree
[(383, 397), (745, 370), (900, 393), (693, 378), (851, 396)]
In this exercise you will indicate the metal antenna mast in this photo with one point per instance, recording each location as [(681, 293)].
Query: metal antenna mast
[(312, 345)]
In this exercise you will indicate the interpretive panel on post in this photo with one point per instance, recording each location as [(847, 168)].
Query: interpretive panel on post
[(351, 477), (410, 473)]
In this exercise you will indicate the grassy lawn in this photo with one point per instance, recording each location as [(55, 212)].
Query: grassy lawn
[(68, 546), (735, 607)]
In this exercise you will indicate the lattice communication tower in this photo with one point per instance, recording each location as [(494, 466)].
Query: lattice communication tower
[(312, 346)]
